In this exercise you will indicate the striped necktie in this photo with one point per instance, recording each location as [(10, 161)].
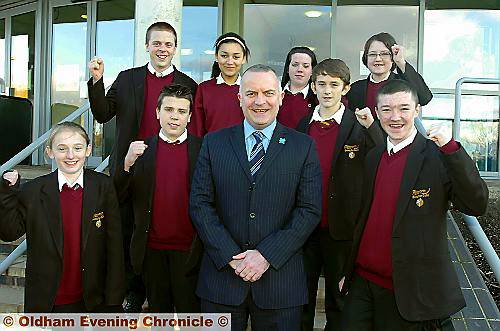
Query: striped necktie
[(257, 154)]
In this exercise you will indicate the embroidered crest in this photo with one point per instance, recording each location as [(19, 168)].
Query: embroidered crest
[(351, 150), (97, 218), (419, 196)]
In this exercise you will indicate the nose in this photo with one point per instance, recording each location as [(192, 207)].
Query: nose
[(260, 99), (230, 60), (70, 153)]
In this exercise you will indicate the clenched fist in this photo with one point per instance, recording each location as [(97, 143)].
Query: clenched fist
[(364, 116), (135, 150), (96, 68)]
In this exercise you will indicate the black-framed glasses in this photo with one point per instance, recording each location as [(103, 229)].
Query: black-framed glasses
[(383, 55)]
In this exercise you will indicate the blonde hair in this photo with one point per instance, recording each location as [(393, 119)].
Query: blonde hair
[(67, 126)]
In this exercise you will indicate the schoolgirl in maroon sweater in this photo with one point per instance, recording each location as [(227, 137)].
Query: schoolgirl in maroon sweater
[(216, 104), (73, 230), (299, 99)]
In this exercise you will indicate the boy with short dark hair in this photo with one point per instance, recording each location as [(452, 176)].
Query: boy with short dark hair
[(343, 138), (159, 170)]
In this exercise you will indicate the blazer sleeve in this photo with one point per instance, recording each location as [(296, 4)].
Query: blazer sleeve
[(102, 106), (412, 76), (13, 211), (115, 276), (467, 190), (217, 241), (374, 135), (283, 244)]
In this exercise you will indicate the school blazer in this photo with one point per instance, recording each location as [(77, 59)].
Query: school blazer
[(35, 209), (346, 174), (125, 99), (274, 214), (425, 282), (139, 185), (357, 94)]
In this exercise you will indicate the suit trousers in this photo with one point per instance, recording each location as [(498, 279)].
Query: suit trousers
[(371, 307), (285, 319), (322, 252), (167, 285)]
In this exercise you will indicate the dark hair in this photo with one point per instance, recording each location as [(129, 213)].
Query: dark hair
[(67, 126), (160, 26), (299, 49), (176, 91), (397, 85), (226, 38), (386, 39), (332, 67)]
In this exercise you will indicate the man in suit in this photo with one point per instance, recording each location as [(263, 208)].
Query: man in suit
[(255, 198), (164, 248), (399, 275), (132, 98)]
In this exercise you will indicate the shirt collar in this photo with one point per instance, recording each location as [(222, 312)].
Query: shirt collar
[(61, 179), (219, 80), (386, 78), (396, 148), (337, 116), (304, 91), (163, 73), (267, 131), (179, 140)]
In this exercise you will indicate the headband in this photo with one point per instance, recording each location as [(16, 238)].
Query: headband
[(233, 39)]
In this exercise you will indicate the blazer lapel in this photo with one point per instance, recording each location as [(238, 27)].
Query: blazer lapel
[(52, 206), (139, 79), (193, 152), (89, 205), (149, 164), (410, 174), (346, 126), (239, 148), (274, 149)]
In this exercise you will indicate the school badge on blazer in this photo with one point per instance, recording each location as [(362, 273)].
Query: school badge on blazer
[(351, 150), (420, 195), (97, 219)]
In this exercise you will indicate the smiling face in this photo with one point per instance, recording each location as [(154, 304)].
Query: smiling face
[(397, 113), (300, 70), (174, 116), (260, 98), (69, 149), (161, 48), (379, 59), (230, 58), (329, 91)]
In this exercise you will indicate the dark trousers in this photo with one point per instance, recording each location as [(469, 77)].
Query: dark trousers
[(371, 307), (167, 285), (77, 307), (321, 252), (285, 319)]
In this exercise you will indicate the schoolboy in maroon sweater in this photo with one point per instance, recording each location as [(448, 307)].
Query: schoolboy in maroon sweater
[(158, 183), (342, 138), (399, 275)]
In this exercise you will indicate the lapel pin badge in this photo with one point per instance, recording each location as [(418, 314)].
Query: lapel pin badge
[(98, 224), (282, 141), (352, 155), (419, 202)]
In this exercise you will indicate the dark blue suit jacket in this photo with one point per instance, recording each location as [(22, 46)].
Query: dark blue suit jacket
[(274, 214)]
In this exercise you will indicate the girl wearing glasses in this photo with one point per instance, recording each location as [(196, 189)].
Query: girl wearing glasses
[(381, 56), (299, 99), (216, 103)]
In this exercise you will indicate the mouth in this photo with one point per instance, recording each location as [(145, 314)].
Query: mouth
[(70, 163), (259, 111), (173, 125), (162, 57), (396, 126)]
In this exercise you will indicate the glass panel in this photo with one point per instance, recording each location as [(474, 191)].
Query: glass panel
[(199, 31), (349, 41), (22, 58), (480, 140), (69, 68), (115, 44), (270, 35), (473, 107), (461, 43), (2, 56)]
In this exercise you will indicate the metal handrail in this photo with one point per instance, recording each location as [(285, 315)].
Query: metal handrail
[(27, 151), (471, 221)]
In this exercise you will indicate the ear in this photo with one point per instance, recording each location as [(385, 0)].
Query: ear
[(239, 97), (157, 113), (189, 117), (417, 110), (313, 87), (376, 112), (89, 150), (346, 89), (282, 95), (49, 152)]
